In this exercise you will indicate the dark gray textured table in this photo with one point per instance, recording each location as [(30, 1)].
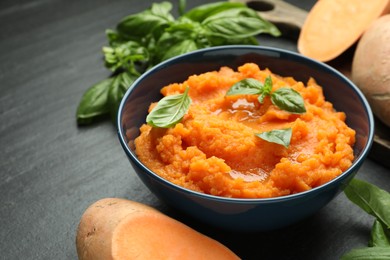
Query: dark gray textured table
[(51, 169)]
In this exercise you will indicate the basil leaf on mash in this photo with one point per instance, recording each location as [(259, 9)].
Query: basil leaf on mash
[(169, 110), (289, 100), (280, 136), (246, 86)]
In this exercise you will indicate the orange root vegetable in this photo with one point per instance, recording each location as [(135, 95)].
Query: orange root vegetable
[(332, 26), (115, 228), (371, 67)]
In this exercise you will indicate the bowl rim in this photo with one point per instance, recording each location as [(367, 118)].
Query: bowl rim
[(355, 165)]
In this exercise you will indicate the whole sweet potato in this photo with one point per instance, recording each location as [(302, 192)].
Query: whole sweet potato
[(114, 228), (371, 67)]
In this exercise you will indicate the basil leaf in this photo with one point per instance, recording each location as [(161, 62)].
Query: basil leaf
[(238, 23), (150, 21), (114, 38), (289, 100), (371, 199), (117, 90), (201, 12), (380, 236), (115, 94), (93, 103), (251, 86), (169, 110), (374, 253), (182, 7), (163, 10), (266, 90), (282, 136), (246, 86), (178, 39), (215, 40), (124, 55), (180, 48)]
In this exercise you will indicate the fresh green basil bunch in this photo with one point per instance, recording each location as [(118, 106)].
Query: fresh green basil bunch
[(375, 202), (142, 40)]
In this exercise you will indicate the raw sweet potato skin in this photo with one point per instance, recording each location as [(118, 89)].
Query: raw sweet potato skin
[(98, 223), (114, 228), (371, 67)]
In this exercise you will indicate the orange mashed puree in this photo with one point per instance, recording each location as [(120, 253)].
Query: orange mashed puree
[(214, 149)]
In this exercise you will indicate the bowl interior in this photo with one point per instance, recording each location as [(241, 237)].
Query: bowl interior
[(344, 95)]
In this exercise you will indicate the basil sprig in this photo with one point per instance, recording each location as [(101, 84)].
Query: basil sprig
[(375, 202), (169, 110), (284, 98), (144, 39), (279, 136)]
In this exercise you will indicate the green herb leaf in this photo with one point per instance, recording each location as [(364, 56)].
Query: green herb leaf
[(246, 86), (178, 39), (374, 253), (289, 100), (125, 55), (282, 136), (117, 90), (151, 21), (146, 38), (169, 110), (380, 236), (114, 38), (182, 6), (93, 103), (180, 48), (266, 90), (215, 40), (371, 199), (238, 23), (200, 13)]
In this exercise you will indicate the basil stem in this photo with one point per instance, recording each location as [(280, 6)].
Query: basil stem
[(266, 89), (280, 136), (169, 110)]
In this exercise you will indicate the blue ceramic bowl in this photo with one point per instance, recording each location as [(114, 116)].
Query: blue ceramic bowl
[(245, 214)]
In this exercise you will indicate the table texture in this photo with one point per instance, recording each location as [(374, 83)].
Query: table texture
[(51, 169)]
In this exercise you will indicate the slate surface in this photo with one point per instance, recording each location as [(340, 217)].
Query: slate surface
[(51, 169)]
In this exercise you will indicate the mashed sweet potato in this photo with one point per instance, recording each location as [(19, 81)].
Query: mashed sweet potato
[(214, 148)]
